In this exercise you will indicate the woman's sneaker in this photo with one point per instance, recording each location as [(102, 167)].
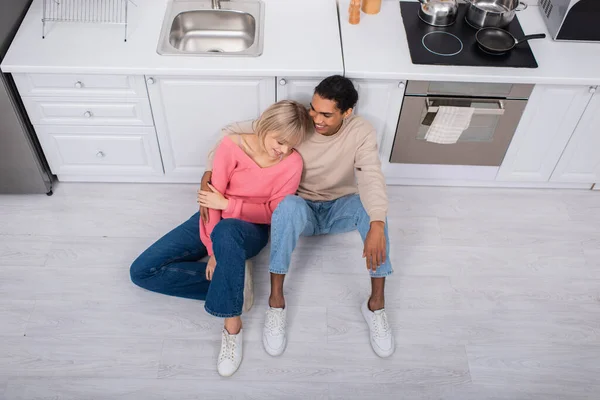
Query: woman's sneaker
[(248, 287), (230, 356)]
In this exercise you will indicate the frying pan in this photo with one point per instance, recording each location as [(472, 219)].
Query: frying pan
[(498, 41)]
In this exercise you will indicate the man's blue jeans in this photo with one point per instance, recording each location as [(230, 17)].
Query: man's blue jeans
[(170, 266), (295, 217)]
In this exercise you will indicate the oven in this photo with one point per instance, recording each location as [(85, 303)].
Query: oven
[(497, 110)]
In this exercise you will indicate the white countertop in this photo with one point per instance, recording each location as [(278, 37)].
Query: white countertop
[(377, 48), (300, 39)]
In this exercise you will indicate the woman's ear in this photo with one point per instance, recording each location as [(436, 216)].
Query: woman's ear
[(347, 113)]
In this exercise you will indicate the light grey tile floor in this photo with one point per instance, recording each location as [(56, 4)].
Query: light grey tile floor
[(496, 295)]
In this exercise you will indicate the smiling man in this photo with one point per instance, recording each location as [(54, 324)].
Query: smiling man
[(342, 189)]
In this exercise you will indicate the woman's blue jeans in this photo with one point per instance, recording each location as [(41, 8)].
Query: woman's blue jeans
[(171, 265)]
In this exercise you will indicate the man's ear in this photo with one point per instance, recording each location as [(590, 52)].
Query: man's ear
[(348, 113)]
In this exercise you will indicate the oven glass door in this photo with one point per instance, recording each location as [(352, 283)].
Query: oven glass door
[(483, 143)]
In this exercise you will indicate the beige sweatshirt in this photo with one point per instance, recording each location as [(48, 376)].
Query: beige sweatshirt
[(337, 165)]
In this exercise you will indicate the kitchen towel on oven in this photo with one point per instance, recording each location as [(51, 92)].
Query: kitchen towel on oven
[(449, 124)]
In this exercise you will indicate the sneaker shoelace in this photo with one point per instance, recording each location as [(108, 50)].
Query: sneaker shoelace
[(275, 322), (381, 325), (228, 345)]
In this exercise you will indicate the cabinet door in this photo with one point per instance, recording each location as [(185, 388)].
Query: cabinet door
[(298, 89), (548, 122), (580, 161), (101, 153), (379, 102), (190, 112)]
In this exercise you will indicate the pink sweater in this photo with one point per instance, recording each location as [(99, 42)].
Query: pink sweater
[(253, 192)]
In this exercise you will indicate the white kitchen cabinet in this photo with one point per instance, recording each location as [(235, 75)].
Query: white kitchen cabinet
[(379, 102), (89, 153), (189, 113), (551, 116), (81, 85), (298, 89), (580, 161), (89, 111)]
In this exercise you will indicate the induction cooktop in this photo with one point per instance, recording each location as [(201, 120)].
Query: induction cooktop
[(456, 44)]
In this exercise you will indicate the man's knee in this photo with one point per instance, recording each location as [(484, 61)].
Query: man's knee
[(291, 209), (354, 206)]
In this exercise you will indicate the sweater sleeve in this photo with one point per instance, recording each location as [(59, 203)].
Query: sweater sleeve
[(232, 129), (224, 164), (261, 213), (370, 179)]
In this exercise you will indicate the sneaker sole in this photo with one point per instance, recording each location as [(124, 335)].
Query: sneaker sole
[(248, 287)]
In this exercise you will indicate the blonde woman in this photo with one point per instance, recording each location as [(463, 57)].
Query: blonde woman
[(252, 173)]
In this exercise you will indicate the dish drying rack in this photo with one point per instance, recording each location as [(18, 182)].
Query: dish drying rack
[(86, 11)]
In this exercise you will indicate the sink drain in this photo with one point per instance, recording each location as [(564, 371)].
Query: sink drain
[(215, 51)]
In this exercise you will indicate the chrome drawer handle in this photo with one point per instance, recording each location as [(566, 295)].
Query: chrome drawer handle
[(100, 154), (78, 85), (88, 114)]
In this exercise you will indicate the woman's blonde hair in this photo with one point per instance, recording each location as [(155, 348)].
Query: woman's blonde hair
[(289, 119)]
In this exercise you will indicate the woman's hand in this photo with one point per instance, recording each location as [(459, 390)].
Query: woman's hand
[(212, 199), (210, 267)]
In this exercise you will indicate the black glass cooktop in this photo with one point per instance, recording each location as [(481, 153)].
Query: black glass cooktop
[(456, 44)]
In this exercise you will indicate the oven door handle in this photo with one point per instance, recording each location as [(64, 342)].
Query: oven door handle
[(478, 111)]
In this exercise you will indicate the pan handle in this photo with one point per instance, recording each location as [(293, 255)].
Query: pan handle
[(523, 8), (529, 37)]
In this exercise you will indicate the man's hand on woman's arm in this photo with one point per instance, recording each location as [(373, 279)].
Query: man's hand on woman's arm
[(204, 186)]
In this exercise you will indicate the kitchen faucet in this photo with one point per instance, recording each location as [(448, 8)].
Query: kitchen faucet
[(216, 4)]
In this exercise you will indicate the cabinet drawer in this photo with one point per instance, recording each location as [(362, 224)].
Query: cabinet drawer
[(69, 111), (101, 150), (80, 85)]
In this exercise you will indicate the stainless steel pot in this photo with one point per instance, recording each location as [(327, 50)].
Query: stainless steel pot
[(438, 12), (492, 13)]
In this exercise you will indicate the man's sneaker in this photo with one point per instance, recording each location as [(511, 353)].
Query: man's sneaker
[(380, 331), (230, 356), (274, 339), (248, 287)]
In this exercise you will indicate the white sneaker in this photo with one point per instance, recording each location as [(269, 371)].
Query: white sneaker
[(274, 339), (230, 356), (248, 287), (380, 331)]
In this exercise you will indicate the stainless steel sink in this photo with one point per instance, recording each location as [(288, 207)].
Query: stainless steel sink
[(195, 28)]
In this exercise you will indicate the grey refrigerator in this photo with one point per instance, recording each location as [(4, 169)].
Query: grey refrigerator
[(23, 167)]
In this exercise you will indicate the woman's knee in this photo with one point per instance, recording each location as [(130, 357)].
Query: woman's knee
[(138, 270), (142, 269), (226, 230)]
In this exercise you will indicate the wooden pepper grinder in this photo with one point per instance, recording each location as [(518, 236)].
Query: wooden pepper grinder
[(354, 12), (371, 6)]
